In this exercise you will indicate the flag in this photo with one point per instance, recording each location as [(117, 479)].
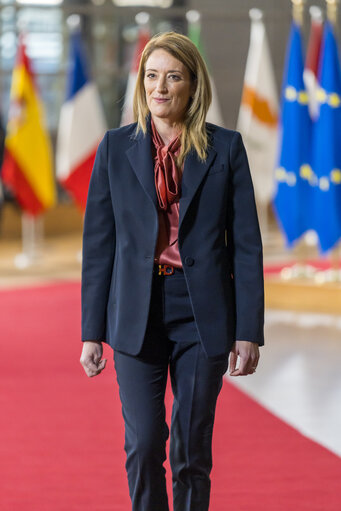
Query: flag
[(2, 143), (127, 112), (258, 113), (310, 73), (326, 147), (214, 112), (81, 125), (293, 198), (27, 167)]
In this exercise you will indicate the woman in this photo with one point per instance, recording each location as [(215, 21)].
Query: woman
[(172, 272)]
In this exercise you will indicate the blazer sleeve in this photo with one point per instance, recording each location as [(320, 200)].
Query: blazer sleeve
[(98, 249), (245, 247)]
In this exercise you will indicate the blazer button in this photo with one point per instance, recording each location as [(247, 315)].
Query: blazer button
[(189, 261)]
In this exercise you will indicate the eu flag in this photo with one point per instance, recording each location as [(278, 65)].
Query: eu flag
[(326, 146), (293, 198)]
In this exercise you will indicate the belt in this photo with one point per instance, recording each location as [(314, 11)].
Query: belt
[(166, 269)]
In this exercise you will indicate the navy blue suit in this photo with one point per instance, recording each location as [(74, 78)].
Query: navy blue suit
[(219, 243), (185, 323)]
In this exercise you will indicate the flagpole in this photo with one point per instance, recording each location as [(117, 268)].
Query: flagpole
[(29, 224), (332, 11), (32, 240), (74, 24), (262, 207), (301, 269), (214, 114), (310, 238), (143, 35), (142, 20), (36, 191), (194, 21), (334, 274), (310, 71), (298, 11)]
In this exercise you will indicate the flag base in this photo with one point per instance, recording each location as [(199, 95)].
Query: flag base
[(32, 236), (24, 260)]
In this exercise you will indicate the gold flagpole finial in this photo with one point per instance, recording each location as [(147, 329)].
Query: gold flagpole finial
[(297, 11), (332, 7)]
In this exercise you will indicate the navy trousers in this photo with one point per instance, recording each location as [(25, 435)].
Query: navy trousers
[(171, 343)]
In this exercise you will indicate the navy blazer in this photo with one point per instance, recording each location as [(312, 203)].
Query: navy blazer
[(219, 242)]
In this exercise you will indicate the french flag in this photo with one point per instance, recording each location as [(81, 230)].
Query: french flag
[(81, 126)]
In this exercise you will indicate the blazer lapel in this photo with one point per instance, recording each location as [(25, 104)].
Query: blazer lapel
[(193, 174), (141, 160)]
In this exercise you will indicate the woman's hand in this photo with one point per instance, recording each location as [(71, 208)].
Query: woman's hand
[(248, 354), (91, 358)]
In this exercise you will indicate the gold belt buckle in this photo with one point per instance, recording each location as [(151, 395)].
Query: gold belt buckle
[(164, 269)]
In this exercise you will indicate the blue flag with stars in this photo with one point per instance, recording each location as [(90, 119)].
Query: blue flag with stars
[(293, 197), (326, 146)]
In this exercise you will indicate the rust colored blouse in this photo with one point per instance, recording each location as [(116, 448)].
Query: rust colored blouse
[(167, 177)]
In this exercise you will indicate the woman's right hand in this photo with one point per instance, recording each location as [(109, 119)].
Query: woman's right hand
[(91, 358)]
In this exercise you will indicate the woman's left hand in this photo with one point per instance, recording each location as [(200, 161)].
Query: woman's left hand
[(91, 358), (248, 358)]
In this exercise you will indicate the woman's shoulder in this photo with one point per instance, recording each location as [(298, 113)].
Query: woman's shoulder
[(123, 132), (219, 135), (118, 139)]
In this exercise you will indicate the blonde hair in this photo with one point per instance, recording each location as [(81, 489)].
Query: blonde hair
[(193, 135)]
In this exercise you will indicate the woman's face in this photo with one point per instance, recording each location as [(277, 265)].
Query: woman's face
[(168, 86)]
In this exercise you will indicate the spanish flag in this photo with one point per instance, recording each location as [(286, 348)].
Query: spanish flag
[(27, 167)]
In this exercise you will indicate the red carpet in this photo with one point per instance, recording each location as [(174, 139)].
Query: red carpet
[(62, 433)]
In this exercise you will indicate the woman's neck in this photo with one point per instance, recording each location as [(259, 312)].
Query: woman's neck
[(167, 130)]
